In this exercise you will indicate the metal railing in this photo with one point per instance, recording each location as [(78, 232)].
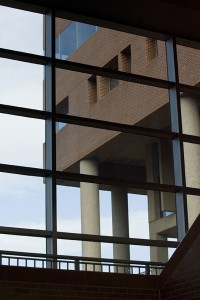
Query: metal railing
[(76, 263)]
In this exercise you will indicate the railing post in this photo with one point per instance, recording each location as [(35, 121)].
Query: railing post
[(77, 267), (147, 269)]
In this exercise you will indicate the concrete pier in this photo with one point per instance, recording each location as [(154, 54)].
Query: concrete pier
[(90, 213), (120, 223), (191, 125)]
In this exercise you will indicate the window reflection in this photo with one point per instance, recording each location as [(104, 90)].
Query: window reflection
[(74, 35), (84, 31)]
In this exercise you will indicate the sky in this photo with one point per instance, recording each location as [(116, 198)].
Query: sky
[(22, 199)]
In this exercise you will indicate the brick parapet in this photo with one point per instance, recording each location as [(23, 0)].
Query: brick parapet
[(37, 284)]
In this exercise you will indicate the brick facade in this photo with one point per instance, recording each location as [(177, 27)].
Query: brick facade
[(127, 103), (187, 289), (39, 284)]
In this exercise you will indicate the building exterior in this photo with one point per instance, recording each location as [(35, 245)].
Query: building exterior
[(118, 154), (130, 107)]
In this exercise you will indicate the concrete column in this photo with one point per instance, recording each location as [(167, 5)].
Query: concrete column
[(90, 214), (120, 224), (191, 125)]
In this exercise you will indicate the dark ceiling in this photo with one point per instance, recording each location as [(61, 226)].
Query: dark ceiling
[(166, 17)]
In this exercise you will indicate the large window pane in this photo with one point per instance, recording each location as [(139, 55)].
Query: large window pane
[(192, 163), (188, 65), (68, 42), (117, 155), (22, 201), (68, 247), (97, 46), (21, 30), (84, 31), (21, 84), (23, 141), (68, 210), (193, 206), (113, 100), (22, 243)]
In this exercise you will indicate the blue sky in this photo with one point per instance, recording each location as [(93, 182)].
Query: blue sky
[(22, 198)]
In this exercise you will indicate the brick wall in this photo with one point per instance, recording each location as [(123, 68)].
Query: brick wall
[(181, 276), (187, 289), (39, 284), (127, 103)]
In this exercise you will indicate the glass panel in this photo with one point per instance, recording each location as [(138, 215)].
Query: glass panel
[(21, 30), (105, 213), (193, 206), (106, 249), (62, 108), (57, 47), (22, 243), (190, 113), (68, 247), (112, 83), (141, 253), (23, 141), (115, 154), (21, 84), (68, 41), (68, 209), (143, 206), (70, 35), (22, 201), (138, 216), (188, 65), (84, 31), (171, 250), (191, 125), (112, 100), (192, 163), (135, 54), (116, 211)]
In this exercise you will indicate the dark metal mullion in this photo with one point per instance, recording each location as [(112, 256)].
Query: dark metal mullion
[(87, 237), (50, 135), (19, 170), (68, 176), (177, 144), (24, 231), (94, 123), (192, 191), (24, 112), (129, 77), (117, 240), (189, 89), (23, 56), (190, 138), (107, 125), (75, 177), (84, 68)]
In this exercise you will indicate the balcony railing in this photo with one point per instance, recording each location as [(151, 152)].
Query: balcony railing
[(75, 263)]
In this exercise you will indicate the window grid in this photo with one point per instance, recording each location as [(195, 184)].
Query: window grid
[(50, 173)]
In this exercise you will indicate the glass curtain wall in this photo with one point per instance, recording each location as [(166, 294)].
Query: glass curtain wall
[(100, 129)]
